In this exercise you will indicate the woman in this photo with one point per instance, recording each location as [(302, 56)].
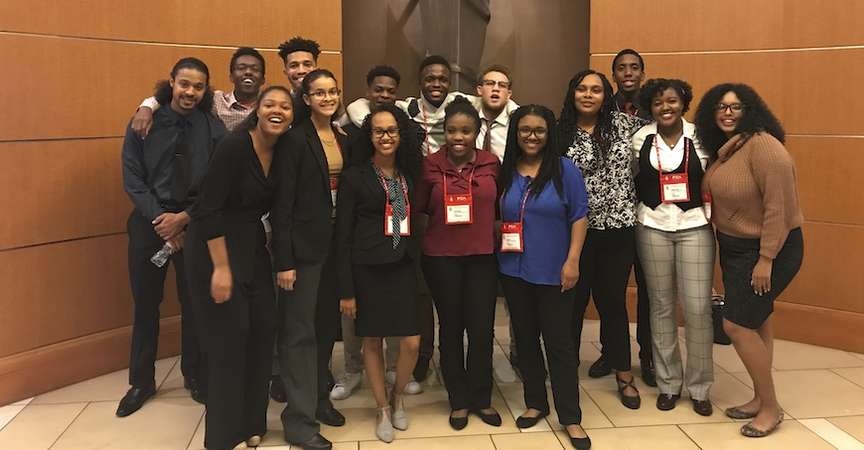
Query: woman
[(754, 202), (676, 244), (597, 139), (230, 272), (377, 277), (308, 163), (458, 191), (543, 209)]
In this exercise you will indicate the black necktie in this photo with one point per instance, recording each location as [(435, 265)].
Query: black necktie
[(181, 178)]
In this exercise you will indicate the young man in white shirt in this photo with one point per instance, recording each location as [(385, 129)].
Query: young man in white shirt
[(494, 87)]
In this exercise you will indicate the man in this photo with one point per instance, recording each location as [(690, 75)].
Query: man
[(161, 173), (628, 72), (382, 82), (246, 72), (494, 87), (300, 56)]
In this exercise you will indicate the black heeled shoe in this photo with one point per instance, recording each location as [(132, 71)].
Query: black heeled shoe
[(528, 422), (578, 443), (458, 423), (632, 402), (493, 419)]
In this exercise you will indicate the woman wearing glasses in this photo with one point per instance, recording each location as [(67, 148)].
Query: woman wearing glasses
[(755, 209), (457, 191), (543, 213), (309, 160), (374, 240)]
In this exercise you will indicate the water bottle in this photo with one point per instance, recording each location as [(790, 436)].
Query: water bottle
[(161, 257)]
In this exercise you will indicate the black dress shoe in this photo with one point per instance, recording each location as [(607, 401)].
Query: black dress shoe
[(528, 422), (580, 443), (330, 416), (703, 407), (134, 400), (649, 376), (666, 402), (493, 419), (277, 390), (458, 423), (317, 442), (599, 369)]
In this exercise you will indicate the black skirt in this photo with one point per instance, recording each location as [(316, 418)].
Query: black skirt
[(738, 257), (386, 299)]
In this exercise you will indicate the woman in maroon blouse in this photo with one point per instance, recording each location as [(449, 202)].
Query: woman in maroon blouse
[(458, 191)]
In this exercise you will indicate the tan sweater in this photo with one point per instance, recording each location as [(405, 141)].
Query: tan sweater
[(754, 191)]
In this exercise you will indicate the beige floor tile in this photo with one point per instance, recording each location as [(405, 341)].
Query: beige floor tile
[(854, 425), (726, 357), (592, 417), (726, 436), (853, 374), (38, 426), (795, 356), (109, 387), (521, 441), (826, 394), (502, 370), (24, 402), (172, 386), (832, 434), (198, 438), (7, 413), (648, 414), (163, 423), (513, 396), (729, 391), (481, 442), (666, 437)]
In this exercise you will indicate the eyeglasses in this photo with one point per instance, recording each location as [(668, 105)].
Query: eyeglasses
[(526, 132), (321, 93), (732, 107), (493, 83), (379, 133)]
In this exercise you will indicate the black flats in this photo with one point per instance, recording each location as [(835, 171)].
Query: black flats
[(528, 422), (632, 402), (458, 423), (492, 419)]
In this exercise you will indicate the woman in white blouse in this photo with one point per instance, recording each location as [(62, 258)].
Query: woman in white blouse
[(675, 242)]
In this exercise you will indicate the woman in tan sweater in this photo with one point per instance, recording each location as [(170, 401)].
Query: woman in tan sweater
[(751, 187)]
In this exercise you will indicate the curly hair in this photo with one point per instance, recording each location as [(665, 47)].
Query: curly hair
[(461, 105), (251, 121), (656, 86), (247, 51), (299, 44), (603, 131), (757, 117), (408, 155), (550, 167), (433, 60), (383, 71), (163, 92)]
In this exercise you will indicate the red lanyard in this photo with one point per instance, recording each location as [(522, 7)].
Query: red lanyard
[(686, 155), (521, 208)]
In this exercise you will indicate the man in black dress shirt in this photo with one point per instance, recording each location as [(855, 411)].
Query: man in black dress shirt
[(161, 173)]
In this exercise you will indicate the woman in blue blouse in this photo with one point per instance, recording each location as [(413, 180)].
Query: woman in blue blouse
[(543, 210)]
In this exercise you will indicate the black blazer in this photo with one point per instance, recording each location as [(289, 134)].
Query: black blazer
[(302, 208), (360, 237)]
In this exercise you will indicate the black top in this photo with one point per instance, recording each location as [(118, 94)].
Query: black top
[(235, 194), (621, 106), (302, 207), (648, 178), (360, 237), (148, 164)]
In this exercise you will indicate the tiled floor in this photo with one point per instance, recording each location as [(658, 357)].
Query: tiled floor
[(821, 390)]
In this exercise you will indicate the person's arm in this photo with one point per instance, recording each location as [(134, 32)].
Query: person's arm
[(135, 176), (577, 211), (285, 163), (346, 210), (358, 110), (142, 120)]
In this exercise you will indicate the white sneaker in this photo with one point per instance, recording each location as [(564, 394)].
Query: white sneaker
[(346, 386), (412, 388), (253, 441)]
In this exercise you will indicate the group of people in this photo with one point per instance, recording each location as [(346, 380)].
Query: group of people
[(344, 207)]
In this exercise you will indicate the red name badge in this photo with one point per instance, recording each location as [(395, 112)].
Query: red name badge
[(404, 225), (334, 187), (511, 237), (673, 188), (458, 209)]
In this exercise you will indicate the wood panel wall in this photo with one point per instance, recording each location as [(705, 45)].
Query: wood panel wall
[(806, 59), (74, 73)]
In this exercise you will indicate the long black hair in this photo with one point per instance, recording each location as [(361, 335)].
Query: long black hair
[(251, 121), (757, 117), (550, 166), (164, 92), (604, 129), (408, 154)]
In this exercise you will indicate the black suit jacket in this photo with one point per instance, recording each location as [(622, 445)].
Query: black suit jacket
[(302, 208), (360, 237)]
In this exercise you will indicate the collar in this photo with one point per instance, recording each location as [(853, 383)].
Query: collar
[(503, 118), (231, 101), (731, 146)]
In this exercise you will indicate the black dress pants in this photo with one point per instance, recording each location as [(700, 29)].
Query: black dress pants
[(464, 289), (540, 310), (327, 324), (604, 269), (148, 285), (643, 316), (238, 335)]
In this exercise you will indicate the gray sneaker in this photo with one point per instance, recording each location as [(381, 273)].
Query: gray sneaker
[(345, 386)]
